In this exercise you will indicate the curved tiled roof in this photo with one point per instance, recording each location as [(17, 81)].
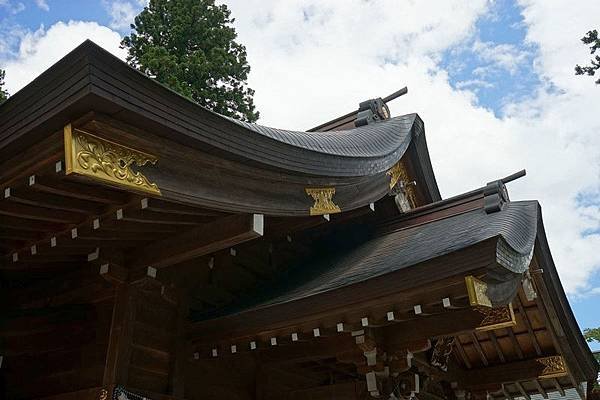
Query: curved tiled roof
[(362, 259), (379, 139)]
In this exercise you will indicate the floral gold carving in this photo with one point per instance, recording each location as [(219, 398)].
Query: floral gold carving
[(98, 158), (496, 318), (398, 174), (477, 290), (554, 366), (323, 198)]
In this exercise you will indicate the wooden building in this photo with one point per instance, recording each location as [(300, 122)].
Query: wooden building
[(153, 249)]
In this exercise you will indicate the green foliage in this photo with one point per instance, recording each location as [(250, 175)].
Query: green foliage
[(592, 334), (3, 93), (591, 39), (189, 46)]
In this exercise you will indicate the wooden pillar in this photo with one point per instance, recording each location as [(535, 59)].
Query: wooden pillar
[(119, 345), (181, 349)]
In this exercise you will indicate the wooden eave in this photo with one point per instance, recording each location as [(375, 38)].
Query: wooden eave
[(253, 169), (545, 327)]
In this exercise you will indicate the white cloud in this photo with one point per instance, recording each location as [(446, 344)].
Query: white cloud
[(504, 56), (40, 49), (314, 60), (308, 70), (42, 4), (474, 83), (12, 7), (122, 13)]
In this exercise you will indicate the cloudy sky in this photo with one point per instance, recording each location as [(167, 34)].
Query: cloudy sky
[(493, 81)]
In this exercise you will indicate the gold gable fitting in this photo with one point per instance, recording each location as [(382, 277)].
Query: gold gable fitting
[(323, 198), (496, 318), (554, 367), (398, 173), (98, 158), (477, 290)]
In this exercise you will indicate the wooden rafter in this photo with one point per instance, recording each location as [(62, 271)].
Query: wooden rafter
[(204, 239)]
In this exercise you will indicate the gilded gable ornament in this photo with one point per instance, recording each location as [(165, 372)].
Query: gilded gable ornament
[(98, 158), (400, 183), (477, 290), (496, 318), (323, 198), (554, 366)]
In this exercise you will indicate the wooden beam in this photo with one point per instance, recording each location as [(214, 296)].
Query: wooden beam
[(39, 214), (153, 217), (48, 200), (496, 345), (30, 225), (540, 388), (76, 190), (462, 353), (446, 323), (515, 343), (527, 322), (479, 349), (522, 390), (199, 241), (509, 373)]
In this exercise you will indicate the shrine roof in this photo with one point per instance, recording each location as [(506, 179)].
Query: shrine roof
[(344, 260), (89, 77)]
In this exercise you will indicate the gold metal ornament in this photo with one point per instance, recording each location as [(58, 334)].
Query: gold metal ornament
[(399, 174), (554, 367), (477, 290), (496, 318), (103, 395), (323, 198), (98, 158)]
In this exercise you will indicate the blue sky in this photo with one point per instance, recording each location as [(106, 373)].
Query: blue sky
[(493, 81)]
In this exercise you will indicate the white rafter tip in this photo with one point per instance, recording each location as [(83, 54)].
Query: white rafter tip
[(233, 252), (364, 321), (214, 352), (253, 345), (390, 316), (418, 309), (7, 193), (151, 272), (211, 262), (446, 302), (120, 213), (144, 203), (104, 269), (33, 250), (53, 241), (94, 256), (58, 166), (273, 341), (96, 223), (326, 217), (196, 356), (294, 337), (258, 223), (288, 238), (32, 180), (316, 332), (73, 233), (15, 257), (340, 327), (233, 349)]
